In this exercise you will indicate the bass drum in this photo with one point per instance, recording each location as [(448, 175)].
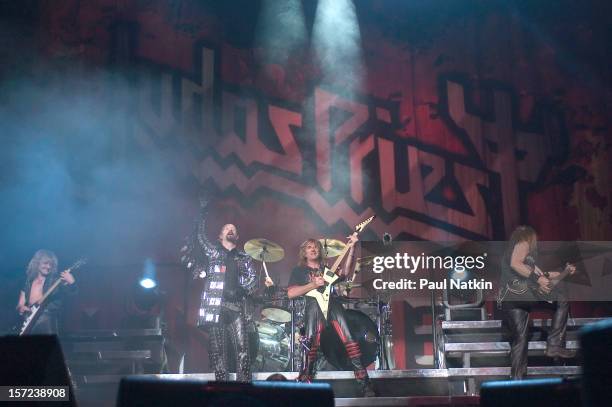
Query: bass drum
[(363, 330)]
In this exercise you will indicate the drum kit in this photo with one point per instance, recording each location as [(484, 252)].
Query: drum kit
[(276, 338)]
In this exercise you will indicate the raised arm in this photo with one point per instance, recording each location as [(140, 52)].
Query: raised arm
[(350, 256), (209, 249), (197, 246)]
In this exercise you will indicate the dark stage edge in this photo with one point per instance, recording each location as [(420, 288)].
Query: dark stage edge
[(466, 401), (413, 387)]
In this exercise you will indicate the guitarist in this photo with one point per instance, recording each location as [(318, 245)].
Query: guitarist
[(306, 277), (524, 285), (40, 276)]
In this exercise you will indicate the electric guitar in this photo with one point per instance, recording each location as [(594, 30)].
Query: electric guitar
[(36, 309), (550, 296), (322, 294), (521, 285)]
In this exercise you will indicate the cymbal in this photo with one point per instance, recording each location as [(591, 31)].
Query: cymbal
[(332, 247), (264, 249), (348, 284), (366, 260)]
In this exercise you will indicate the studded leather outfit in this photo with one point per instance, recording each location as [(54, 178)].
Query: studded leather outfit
[(229, 278)]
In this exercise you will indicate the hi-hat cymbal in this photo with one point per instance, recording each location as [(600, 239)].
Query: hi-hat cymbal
[(264, 250), (332, 247), (348, 285), (366, 260)]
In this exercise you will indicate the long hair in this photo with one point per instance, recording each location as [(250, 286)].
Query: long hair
[(39, 256), (523, 233), (302, 256)]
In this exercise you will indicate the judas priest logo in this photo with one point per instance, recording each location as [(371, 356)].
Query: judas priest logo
[(343, 158)]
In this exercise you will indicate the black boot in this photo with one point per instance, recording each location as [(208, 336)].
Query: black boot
[(361, 374), (559, 352), (363, 379)]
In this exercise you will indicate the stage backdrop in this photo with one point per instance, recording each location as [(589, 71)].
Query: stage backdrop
[(448, 120)]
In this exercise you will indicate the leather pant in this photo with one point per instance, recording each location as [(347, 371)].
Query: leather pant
[(46, 324), (314, 324), (232, 324), (516, 317)]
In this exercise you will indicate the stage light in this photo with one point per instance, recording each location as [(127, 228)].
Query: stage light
[(387, 239), (461, 303), (148, 280), (336, 38), (460, 274), (144, 304), (281, 30), (148, 283)]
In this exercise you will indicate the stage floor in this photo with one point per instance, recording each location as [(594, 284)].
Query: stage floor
[(413, 387), (324, 376)]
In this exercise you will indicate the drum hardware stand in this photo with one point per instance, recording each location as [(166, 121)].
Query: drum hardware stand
[(384, 329), (292, 338), (434, 319), (305, 346)]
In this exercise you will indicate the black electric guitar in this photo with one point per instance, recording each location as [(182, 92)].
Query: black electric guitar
[(551, 295), (520, 286), (322, 294), (36, 309)]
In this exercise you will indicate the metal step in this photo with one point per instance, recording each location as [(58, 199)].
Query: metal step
[(497, 324), (498, 346), (109, 333), (109, 355)]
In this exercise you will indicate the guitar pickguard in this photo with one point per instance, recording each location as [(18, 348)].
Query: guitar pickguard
[(323, 293)]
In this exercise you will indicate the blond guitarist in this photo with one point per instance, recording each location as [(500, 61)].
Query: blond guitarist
[(305, 277), (40, 276)]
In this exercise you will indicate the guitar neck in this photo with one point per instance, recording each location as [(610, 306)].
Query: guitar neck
[(53, 287), (50, 290), (340, 258), (358, 229)]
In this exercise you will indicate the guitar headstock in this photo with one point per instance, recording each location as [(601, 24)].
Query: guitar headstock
[(359, 228)]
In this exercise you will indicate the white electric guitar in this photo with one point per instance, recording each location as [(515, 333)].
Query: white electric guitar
[(322, 294), (36, 309)]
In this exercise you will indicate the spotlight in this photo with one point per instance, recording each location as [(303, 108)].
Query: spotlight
[(144, 300), (148, 283), (144, 305), (460, 274), (148, 275)]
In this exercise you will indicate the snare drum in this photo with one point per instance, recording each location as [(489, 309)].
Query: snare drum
[(277, 311), (276, 307)]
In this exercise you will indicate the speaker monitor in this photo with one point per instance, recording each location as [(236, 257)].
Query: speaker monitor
[(555, 392), (596, 348), (142, 391), (35, 360)]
